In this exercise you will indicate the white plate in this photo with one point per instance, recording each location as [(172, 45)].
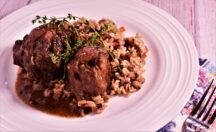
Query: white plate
[(171, 68)]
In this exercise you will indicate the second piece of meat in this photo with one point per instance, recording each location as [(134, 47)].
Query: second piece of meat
[(89, 72)]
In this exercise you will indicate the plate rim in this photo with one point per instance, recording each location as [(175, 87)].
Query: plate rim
[(192, 46)]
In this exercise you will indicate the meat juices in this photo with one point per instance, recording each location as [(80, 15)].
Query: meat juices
[(89, 72)]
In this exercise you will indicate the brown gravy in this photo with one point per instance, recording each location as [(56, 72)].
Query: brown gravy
[(35, 99)]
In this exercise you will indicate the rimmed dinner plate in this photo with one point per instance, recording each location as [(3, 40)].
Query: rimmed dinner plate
[(171, 68)]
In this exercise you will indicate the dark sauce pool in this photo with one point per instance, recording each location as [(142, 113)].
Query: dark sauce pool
[(32, 94)]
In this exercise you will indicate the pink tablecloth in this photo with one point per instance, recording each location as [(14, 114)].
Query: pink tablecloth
[(8, 6)]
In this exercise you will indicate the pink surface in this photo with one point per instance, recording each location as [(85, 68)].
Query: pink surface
[(199, 18), (8, 6)]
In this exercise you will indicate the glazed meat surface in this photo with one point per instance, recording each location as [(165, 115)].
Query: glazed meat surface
[(33, 53), (89, 71)]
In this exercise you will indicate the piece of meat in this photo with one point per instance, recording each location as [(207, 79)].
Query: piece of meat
[(89, 72), (33, 53)]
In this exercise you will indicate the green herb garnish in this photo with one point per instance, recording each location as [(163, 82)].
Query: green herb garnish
[(45, 19), (108, 27), (95, 38), (56, 58)]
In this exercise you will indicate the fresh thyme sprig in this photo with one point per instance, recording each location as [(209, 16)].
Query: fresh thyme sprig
[(64, 57), (108, 27), (60, 20), (45, 19), (97, 36)]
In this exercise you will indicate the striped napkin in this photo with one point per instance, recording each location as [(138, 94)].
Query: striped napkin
[(207, 72)]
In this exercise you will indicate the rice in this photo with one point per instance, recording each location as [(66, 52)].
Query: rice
[(127, 66)]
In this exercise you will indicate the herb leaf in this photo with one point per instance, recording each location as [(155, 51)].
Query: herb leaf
[(68, 53), (95, 38), (56, 58)]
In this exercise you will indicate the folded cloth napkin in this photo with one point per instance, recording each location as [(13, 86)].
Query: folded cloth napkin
[(207, 72)]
